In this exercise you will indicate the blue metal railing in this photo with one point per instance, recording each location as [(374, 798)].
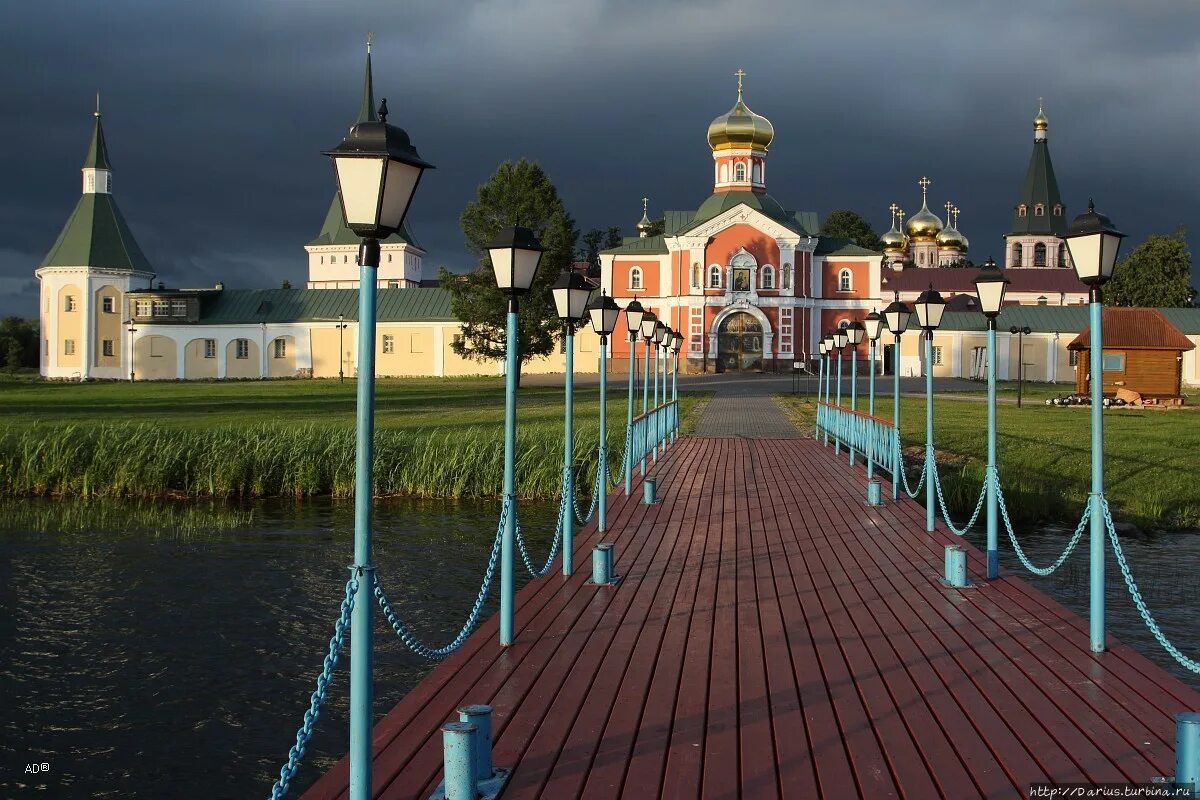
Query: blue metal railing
[(875, 438)]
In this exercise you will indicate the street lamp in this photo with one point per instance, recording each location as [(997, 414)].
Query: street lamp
[(929, 307), (341, 326), (1020, 333), (132, 330), (571, 293), (633, 321), (603, 312), (660, 333), (649, 320), (873, 327), (1094, 243), (377, 171), (854, 334), (990, 285), (839, 344), (515, 254), (828, 368), (896, 316), (821, 350), (676, 346)]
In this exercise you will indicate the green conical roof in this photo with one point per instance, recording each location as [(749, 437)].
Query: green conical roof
[(96, 235), (1040, 187), (97, 155)]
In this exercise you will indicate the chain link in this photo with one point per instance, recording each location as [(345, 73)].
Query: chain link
[(1012, 536), (937, 484), (1136, 595), (904, 474), (317, 699), (404, 631)]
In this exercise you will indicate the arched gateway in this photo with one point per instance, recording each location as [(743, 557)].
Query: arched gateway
[(740, 343)]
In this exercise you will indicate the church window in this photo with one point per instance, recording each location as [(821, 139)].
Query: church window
[(635, 277), (843, 323), (179, 308), (91, 183), (162, 308), (845, 283), (389, 258), (1039, 255), (714, 277), (787, 276), (1039, 210), (345, 259), (768, 277), (141, 308), (1022, 210), (69, 303), (1017, 253), (68, 347), (725, 173), (322, 259), (1052, 258), (739, 172), (389, 343), (241, 348), (108, 304), (757, 172), (106, 347), (697, 276), (280, 346), (210, 348), (1058, 209)]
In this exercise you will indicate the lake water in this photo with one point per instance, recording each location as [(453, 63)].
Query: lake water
[(176, 662)]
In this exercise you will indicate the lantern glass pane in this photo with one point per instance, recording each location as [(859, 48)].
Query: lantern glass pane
[(633, 320), (934, 313), (397, 193), (991, 295), (854, 334), (873, 327), (579, 302), (648, 323), (524, 268), (502, 258), (359, 180), (1108, 254), (1086, 255)]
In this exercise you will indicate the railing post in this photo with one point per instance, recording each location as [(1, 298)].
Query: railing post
[(631, 438), (930, 465), (1187, 750), (871, 411), (896, 474), (837, 439), (991, 476), (645, 408), (853, 390), (820, 383), (602, 476), (1096, 361), (458, 754), (568, 510), (655, 418)]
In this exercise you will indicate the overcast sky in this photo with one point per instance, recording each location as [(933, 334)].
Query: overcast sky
[(216, 113)]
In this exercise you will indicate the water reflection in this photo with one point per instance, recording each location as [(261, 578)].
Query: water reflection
[(138, 662)]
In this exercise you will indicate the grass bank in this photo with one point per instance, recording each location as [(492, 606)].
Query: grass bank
[(1045, 457), (434, 438)]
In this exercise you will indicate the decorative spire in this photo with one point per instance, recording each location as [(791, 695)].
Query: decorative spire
[(741, 73), (97, 112), (949, 211), (925, 182), (97, 155), (643, 226), (366, 112), (955, 212), (900, 213)]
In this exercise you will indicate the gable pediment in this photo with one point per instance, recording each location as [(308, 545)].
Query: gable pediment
[(741, 214)]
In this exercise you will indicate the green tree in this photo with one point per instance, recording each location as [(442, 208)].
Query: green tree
[(517, 194), (657, 227), (13, 355), (1156, 273), (25, 333), (596, 240), (846, 224)]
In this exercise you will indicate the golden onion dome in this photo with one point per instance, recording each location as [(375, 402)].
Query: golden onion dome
[(740, 128), (894, 241), (951, 239), (924, 225), (1040, 123)]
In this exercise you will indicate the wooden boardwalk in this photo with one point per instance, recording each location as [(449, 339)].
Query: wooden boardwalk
[(774, 637)]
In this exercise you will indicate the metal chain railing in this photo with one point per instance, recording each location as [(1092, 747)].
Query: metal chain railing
[(405, 633), (317, 699), (904, 473), (563, 509), (1012, 537), (937, 484), (1136, 595)]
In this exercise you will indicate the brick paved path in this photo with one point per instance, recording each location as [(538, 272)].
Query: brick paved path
[(753, 417)]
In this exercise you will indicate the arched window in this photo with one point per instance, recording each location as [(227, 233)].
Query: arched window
[(757, 172), (739, 172), (1052, 258), (697, 276), (843, 323), (1039, 210), (1039, 255), (725, 173), (1058, 209), (1016, 257), (768, 277), (1022, 210), (921, 257), (714, 277), (389, 258), (322, 259), (845, 281), (635, 277), (787, 276)]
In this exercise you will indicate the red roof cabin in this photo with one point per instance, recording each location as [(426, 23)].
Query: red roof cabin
[(1143, 355)]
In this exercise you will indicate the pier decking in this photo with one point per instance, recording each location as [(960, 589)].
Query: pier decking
[(772, 636)]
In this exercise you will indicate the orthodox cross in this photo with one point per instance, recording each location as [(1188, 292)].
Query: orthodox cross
[(955, 212), (900, 213), (741, 73), (924, 186), (949, 206), (893, 208), (645, 205), (370, 36)]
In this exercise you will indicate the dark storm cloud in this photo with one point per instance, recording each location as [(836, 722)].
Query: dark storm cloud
[(216, 112)]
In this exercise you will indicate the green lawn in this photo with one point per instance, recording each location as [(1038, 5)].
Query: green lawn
[(434, 437), (1044, 456)]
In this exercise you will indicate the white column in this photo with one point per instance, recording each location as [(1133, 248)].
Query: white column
[(87, 357), (439, 351), (1052, 358), (180, 355), (262, 351), (221, 367)]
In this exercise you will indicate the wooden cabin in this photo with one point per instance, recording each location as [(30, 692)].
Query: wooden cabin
[(1143, 357)]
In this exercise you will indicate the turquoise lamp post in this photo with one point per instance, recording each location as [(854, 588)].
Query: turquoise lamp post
[(649, 320), (633, 321), (676, 346), (571, 294), (377, 170), (1094, 243), (515, 255), (839, 344), (873, 327), (990, 285), (820, 373), (660, 334), (603, 313), (896, 316), (929, 308), (854, 334)]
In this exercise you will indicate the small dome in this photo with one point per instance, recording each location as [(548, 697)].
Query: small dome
[(1040, 123), (951, 239), (740, 128), (924, 225), (894, 241)]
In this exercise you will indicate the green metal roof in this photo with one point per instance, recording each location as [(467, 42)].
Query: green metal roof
[(1040, 187), (96, 235), (334, 231), (239, 306), (675, 221), (1186, 319), (720, 202), (651, 245), (830, 246), (1056, 319), (97, 155)]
